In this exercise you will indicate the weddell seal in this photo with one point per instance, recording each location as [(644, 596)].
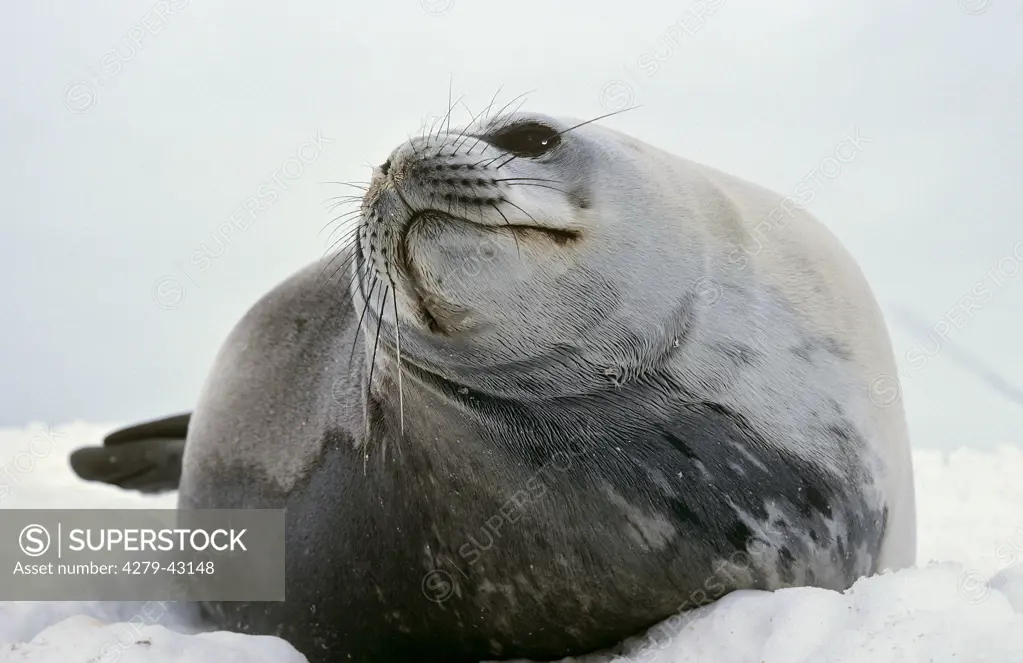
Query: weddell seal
[(553, 393)]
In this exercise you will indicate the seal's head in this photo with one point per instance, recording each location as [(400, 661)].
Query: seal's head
[(526, 237)]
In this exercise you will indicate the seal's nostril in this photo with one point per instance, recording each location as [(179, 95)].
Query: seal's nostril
[(385, 167)]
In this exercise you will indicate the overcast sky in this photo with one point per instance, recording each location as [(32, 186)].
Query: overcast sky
[(133, 130)]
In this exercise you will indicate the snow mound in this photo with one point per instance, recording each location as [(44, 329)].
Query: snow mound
[(967, 608), (936, 614), (83, 639)]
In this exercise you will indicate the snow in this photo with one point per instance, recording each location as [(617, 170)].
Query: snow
[(962, 604)]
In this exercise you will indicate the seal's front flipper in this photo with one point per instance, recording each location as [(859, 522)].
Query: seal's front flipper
[(145, 457)]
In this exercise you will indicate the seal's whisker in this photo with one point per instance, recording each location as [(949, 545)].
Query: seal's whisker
[(508, 223), (337, 218), (350, 300), (429, 135), (522, 210), (451, 82), (397, 337), (348, 198), (344, 265), (472, 122), (601, 117), (362, 186), (344, 240), (369, 382), (339, 252), (528, 179), (510, 159), (334, 206), (565, 131), (542, 186), (332, 222), (486, 111), (344, 218), (463, 136), (351, 356), (356, 275), (447, 118), (489, 161), (358, 327), (342, 221), (498, 115), (439, 122)]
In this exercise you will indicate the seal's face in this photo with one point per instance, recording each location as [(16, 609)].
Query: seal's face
[(512, 238)]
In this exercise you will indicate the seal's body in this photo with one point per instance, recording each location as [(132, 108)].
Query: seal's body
[(571, 391)]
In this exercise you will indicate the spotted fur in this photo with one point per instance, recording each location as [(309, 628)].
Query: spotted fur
[(586, 412)]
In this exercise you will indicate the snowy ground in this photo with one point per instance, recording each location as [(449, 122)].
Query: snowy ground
[(966, 608)]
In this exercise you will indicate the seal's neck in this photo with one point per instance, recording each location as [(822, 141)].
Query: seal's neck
[(600, 360)]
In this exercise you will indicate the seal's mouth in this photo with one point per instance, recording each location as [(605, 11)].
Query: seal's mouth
[(437, 314), (559, 236)]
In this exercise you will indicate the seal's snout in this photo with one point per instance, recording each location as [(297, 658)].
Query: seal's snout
[(439, 202), (479, 180), (443, 177)]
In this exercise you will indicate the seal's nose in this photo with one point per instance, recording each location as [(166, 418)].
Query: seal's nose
[(385, 166)]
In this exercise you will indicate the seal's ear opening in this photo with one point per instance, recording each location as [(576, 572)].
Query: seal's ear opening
[(145, 457)]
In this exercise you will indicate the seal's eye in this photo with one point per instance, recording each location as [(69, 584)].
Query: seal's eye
[(526, 139)]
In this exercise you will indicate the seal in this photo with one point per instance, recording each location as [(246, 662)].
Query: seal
[(561, 386)]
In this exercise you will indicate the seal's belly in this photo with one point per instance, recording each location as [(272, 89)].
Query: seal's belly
[(605, 541)]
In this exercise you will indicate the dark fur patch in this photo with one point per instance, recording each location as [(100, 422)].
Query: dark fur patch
[(806, 349), (740, 353), (363, 536), (581, 198), (739, 536), (681, 446)]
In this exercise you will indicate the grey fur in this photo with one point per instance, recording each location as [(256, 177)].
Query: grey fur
[(591, 433)]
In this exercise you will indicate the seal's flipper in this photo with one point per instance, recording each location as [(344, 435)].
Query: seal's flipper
[(175, 427), (145, 457)]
